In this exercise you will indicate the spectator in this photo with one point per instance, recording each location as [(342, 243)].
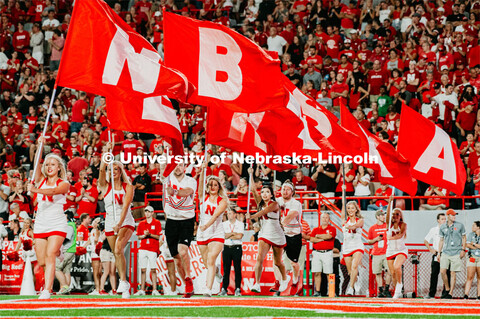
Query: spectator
[(17, 214), (56, 43), (362, 186), (383, 191), (142, 184), (88, 197), (323, 238), (63, 266), (435, 203), (452, 250), (232, 252), (79, 111), (432, 242), (377, 236), (473, 264), (276, 42), (4, 193), (149, 232)]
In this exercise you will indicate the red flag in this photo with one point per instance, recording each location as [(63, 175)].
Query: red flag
[(392, 169), (322, 133), (103, 55), (434, 156), (154, 115), (238, 132), (229, 70)]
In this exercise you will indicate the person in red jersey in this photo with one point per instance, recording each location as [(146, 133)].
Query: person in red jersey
[(377, 236)]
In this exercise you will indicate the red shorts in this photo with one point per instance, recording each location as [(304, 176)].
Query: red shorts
[(395, 256), (353, 252)]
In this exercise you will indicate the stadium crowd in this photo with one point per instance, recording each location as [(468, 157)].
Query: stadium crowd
[(374, 56)]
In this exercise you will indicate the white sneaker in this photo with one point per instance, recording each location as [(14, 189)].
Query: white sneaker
[(123, 286), (126, 294), (94, 293), (168, 292), (238, 292), (155, 293), (45, 294), (207, 293), (284, 285), (256, 288), (218, 276), (112, 293), (350, 291), (398, 291), (140, 293)]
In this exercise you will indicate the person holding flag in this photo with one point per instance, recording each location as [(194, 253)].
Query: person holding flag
[(50, 223), (119, 222), (210, 234), (271, 234), (397, 252), (352, 224)]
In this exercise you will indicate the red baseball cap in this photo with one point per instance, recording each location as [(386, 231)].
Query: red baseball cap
[(451, 212), (7, 165)]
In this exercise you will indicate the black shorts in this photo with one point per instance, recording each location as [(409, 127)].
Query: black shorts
[(179, 232), (294, 246)]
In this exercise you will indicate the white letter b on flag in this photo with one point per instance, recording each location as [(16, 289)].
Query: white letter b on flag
[(219, 75)]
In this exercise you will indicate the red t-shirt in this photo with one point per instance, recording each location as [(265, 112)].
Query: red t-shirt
[(333, 45), (70, 203), (349, 185), (86, 206), (381, 193), (306, 184), (325, 244), (155, 228), (82, 233), (339, 88), (467, 120), (376, 79), (130, 147), (77, 110), (374, 232)]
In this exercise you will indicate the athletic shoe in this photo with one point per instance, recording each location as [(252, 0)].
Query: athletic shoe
[(238, 292), (428, 297), (276, 294), (445, 294), (140, 293), (284, 285), (381, 292), (112, 292), (126, 294), (223, 292), (155, 293), (465, 297), (218, 275), (103, 292), (45, 294), (207, 293), (275, 287), (63, 291), (350, 291), (398, 291), (317, 294), (188, 286), (293, 289), (256, 288), (449, 296), (168, 292), (94, 293), (123, 286), (387, 293)]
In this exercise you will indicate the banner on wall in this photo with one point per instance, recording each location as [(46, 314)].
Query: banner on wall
[(199, 272), (12, 271)]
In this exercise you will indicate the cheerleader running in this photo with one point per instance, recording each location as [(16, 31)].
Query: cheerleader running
[(271, 235), (50, 222), (352, 224), (397, 251), (119, 224), (210, 235)]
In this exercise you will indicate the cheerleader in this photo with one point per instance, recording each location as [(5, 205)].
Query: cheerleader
[(271, 235), (210, 235), (119, 224), (50, 222), (397, 251), (352, 224), (26, 242)]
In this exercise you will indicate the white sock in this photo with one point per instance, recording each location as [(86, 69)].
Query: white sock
[(294, 280)]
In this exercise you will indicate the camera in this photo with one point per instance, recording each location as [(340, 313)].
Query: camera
[(414, 259)]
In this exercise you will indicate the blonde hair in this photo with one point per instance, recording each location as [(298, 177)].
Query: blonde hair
[(123, 176), (354, 203), (221, 189), (61, 164)]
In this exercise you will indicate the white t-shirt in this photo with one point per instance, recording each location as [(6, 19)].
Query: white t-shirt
[(433, 237), (276, 44), (180, 208), (237, 227), (295, 225), (440, 99), (362, 190), (50, 23)]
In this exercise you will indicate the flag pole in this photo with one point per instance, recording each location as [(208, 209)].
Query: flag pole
[(390, 215), (250, 177), (110, 140), (38, 155)]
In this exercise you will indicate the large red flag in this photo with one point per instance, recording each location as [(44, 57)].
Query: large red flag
[(104, 55), (391, 168), (434, 156), (229, 70), (322, 133), (238, 131)]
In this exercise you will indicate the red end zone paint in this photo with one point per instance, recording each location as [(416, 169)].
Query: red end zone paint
[(343, 305)]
